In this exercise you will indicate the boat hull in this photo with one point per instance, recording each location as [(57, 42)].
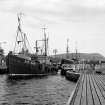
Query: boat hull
[(25, 76), (72, 76), (19, 68)]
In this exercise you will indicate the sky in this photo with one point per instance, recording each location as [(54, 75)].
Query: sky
[(80, 21)]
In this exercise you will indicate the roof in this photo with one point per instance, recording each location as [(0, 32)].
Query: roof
[(67, 61)]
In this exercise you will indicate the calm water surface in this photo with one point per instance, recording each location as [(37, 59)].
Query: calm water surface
[(51, 90)]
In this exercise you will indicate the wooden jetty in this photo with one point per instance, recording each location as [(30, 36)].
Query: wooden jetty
[(89, 90)]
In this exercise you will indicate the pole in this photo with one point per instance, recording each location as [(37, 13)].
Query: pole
[(36, 48), (45, 40), (67, 49)]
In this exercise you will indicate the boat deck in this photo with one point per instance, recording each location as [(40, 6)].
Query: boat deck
[(90, 90)]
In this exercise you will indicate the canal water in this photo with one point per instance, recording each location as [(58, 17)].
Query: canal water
[(50, 90)]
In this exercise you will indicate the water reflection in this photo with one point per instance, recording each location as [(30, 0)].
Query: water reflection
[(52, 90)]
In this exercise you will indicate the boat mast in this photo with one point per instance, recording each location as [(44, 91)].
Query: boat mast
[(67, 49), (36, 47), (45, 40), (76, 53)]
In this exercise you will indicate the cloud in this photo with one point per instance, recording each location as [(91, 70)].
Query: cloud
[(78, 18), (56, 10)]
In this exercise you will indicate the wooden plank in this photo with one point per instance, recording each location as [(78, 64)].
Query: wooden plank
[(79, 93), (101, 78), (89, 93), (99, 82), (100, 85), (95, 98), (74, 93), (98, 92), (84, 94)]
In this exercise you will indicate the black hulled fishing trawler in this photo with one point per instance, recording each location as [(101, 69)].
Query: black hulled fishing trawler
[(19, 60), (21, 63)]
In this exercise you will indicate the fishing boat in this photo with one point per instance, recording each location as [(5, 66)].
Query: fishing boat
[(72, 76), (3, 67), (69, 70), (23, 63), (69, 67), (66, 65)]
